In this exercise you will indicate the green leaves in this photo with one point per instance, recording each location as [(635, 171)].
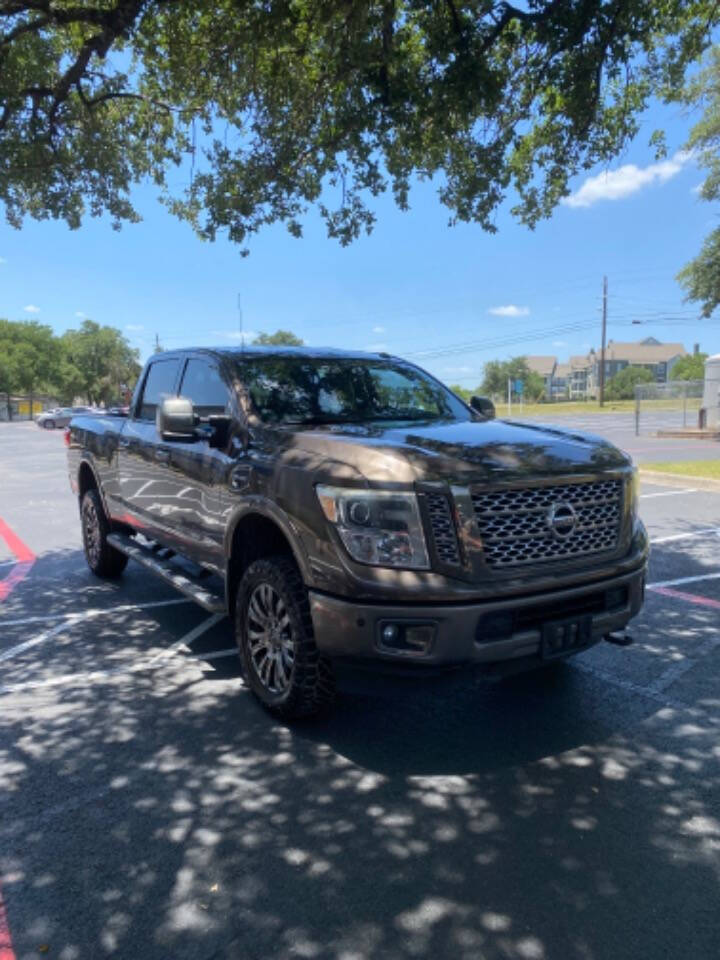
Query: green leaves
[(268, 109)]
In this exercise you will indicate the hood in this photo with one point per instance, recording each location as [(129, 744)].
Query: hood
[(456, 452)]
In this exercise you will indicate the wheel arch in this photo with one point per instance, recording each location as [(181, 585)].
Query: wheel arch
[(259, 529)]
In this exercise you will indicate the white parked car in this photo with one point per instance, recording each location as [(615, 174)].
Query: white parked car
[(60, 416)]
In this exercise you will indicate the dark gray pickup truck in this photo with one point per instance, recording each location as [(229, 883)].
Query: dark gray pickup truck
[(344, 506)]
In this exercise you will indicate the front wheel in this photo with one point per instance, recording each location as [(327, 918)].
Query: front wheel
[(274, 633), (49, 424), (102, 558)]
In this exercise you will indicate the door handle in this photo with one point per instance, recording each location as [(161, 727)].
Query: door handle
[(162, 456)]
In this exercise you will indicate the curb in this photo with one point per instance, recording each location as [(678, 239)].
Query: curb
[(680, 480)]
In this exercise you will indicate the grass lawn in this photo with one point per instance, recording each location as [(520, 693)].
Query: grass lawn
[(688, 468), (575, 408)]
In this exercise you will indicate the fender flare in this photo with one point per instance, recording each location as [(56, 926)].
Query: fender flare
[(267, 509), (86, 461)]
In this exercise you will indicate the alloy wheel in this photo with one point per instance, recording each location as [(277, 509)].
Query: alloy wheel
[(270, 638)]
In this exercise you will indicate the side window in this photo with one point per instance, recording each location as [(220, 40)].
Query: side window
[(203, 385), (160, 382)]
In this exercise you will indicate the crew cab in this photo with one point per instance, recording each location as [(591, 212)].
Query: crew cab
[(348, 507)]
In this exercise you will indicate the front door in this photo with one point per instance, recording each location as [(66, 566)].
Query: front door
[(197, 468), (145, 488)]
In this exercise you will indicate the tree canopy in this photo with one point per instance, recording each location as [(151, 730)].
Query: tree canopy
[(497, 373), (622, 385), (272, 108), (691, 367), (280, 338), (94, 362), (701, 277)]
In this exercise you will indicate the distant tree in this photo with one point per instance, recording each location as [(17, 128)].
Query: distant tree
[(281, 338), (622, 385), (463, 392), (497, 373), (103, 358), (28, 358), (690, 367)]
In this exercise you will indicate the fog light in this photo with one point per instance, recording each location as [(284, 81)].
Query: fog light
[(390, 633), (410, 637)]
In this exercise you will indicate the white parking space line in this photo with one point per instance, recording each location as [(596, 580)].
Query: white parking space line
[(96, 612), (93, 676), (36, 641), (682, 580), (667, 493), (687, 536)]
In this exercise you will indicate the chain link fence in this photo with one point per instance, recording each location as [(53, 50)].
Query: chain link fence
[(667, 406)]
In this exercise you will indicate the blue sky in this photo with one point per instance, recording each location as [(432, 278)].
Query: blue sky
[(415, 287)]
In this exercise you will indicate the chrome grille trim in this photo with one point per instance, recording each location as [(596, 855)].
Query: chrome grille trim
[(515, 526), (442, 527)]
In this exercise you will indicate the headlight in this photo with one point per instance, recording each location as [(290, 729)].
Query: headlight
[(379, 527)]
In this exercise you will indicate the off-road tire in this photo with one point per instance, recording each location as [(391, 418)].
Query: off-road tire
[(311, 685), (102, 558)]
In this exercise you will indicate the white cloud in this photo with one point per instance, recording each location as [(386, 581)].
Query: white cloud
[(3, 260), (31, 308), (378, 329), (80, 315), (626, 180), (559, 343), (509, 310), (133, 327), (696, 190)]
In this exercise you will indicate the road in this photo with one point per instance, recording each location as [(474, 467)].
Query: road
[(150, 809)]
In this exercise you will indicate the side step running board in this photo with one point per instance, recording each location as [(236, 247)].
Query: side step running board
[(163, 568)]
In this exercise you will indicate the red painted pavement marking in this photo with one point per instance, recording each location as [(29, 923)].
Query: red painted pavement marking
[(6, 947), (689, 597), (25, 560)]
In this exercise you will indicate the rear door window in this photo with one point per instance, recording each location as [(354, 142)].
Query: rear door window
[(203, 385), (159, 383)]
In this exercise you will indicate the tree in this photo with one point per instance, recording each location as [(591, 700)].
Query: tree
[(691, 367), (280, 338), (497, 373), (622, 385), (103, 359), (701, 277), (274, 107), (28, 358)]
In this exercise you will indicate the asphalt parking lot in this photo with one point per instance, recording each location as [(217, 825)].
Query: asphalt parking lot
[(150, 809)]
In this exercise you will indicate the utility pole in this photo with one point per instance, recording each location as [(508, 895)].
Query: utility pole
[(509, 397), (602, 348), (158, 347)]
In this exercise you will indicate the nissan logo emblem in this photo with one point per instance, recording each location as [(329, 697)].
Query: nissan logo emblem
[(562, 519)]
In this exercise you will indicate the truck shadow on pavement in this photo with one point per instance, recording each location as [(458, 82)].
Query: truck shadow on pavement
[(155, 814)]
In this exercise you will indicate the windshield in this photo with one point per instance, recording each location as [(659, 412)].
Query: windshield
[(328, 390)]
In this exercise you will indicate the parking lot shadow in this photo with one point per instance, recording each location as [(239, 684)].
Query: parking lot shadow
[(154, 814)]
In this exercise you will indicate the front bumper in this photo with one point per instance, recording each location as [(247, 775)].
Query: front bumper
[(479, 632)]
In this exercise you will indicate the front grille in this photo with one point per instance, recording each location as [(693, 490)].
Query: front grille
[(443, 528), (516, 524)]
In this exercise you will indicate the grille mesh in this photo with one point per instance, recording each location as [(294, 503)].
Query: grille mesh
[(443, 528), (515, 528)]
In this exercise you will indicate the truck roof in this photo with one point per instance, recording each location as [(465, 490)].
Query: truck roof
[(259, 351)]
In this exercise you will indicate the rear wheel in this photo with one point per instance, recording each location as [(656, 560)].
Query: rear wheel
[(274, 633), (49, 424), (102, 558)]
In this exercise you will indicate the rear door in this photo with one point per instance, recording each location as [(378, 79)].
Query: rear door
[(144, 458), (197, 468)]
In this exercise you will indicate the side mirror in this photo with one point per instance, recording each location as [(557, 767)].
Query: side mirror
[(483, 406), (175, 419)]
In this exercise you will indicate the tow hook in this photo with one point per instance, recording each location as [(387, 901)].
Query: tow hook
[(619, 639)]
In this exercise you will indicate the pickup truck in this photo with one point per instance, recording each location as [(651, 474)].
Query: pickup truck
[(349, 508)]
